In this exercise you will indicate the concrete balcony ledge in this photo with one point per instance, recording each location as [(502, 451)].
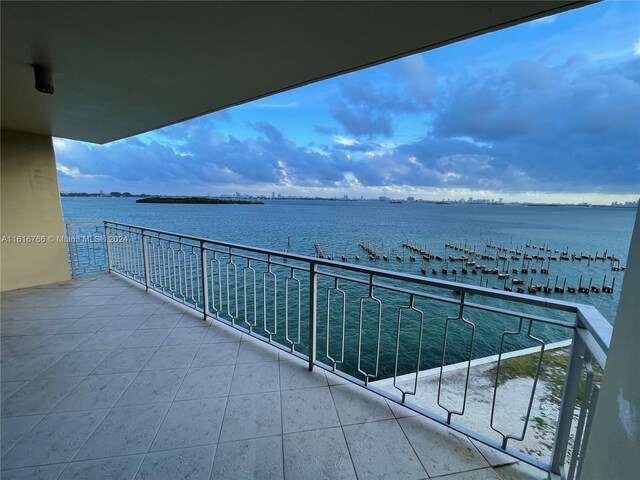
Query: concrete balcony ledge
[(103, 380)]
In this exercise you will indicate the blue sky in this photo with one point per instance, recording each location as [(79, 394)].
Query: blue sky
[(546, 111)]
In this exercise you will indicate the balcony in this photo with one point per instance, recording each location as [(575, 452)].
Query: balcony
[(179, 379)]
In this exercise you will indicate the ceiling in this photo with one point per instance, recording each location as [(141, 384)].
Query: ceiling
[(124, 68)]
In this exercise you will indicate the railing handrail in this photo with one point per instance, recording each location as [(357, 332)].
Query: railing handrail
[(553, 304), (76, 222), (597, 325)]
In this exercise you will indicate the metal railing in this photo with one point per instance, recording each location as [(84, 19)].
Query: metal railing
[(86, 248), (366, 324)]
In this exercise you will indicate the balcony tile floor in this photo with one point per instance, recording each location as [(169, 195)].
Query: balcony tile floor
[(103, 380)]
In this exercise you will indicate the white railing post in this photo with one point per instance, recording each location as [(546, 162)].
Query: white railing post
[(205, 283), (71, 250), (313, 312), (145, 261), (107, 234), (567, 405)]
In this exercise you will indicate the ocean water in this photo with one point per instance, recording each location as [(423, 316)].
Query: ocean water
[(340, 226)]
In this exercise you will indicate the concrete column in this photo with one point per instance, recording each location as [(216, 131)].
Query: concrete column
[(30, 210), (614, 445)]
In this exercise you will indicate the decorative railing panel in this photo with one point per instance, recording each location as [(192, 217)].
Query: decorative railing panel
[(86, 248)]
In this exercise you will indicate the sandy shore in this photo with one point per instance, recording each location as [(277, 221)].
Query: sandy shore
[(515, 384)]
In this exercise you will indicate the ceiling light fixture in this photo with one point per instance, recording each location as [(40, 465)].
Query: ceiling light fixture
[(44, 79)]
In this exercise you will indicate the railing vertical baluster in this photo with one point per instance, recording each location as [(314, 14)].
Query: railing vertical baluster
[(587, 429), (71, 252), (134, 258), (128, 255), (107, 234), (141, 268), (193, 288), (114, 250), (293, 279), (343, 296), (119, 249), (464, 321), (230, 263), (313, 312), (585, 411), (370, 297), (567, 405), (275, 300), (205, 284), (86, 241), (145, 261)]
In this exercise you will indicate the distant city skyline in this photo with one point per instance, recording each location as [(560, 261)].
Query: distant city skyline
[(548, 111), (279, 196)]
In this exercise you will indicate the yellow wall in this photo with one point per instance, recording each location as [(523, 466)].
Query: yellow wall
[(30, 205)]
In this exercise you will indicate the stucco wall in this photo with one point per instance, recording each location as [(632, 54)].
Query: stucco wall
[(614, 445), (30, 206)]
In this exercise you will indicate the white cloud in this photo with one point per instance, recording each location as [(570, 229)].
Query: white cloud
[(636, 48), (276, 105), (74, 172), (346, 141), (60, 144), (71, 172), (472, 141)]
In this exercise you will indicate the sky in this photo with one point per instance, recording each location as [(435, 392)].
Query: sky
[(545, 111)]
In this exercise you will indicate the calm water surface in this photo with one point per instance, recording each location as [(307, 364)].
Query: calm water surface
[(339, 227)]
